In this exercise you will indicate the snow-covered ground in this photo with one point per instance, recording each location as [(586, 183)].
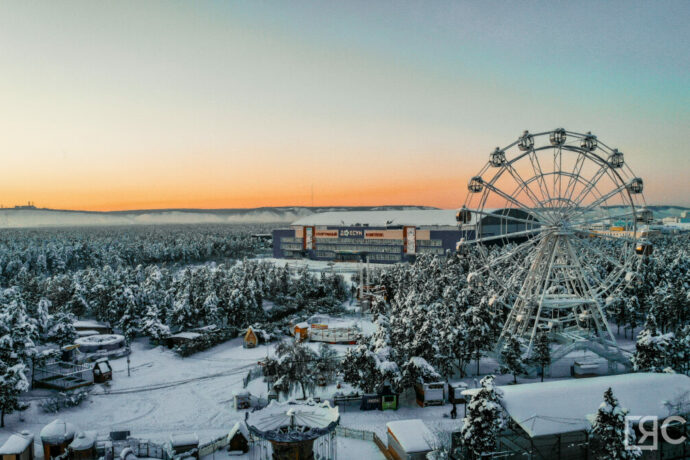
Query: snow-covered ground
[(169, 394)]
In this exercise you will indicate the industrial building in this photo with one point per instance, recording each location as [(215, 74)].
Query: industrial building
[(382, 236)]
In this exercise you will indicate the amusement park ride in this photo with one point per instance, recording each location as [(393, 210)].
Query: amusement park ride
[(555, 197)]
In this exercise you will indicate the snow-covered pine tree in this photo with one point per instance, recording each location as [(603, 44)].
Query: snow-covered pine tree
[(152, 326), (17, 335), (681, 350), (541, 351), (296, 367), (43, 318), (211, 313), (359, 368), (129, 322), (511, 358), (609, 433), (478, 321), (62, 329), (653, 349), (326, 366), (483, 420)]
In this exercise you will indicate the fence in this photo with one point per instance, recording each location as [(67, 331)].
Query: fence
[(142, 448), (213, 446), (254, 372), (334, 335), (63, 376), (365, 435)]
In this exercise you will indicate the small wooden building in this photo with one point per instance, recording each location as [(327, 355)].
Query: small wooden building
[(455, 390), (251, 339), (18, 447), (242, 399), (430, 394), (370, 401), (56, 437), (181, 443), (83, 447), (409, 439), (301, 331), (238, 438), (389, 398), (102, 372)]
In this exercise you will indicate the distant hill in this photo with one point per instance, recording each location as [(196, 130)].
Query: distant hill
[(37, 217)]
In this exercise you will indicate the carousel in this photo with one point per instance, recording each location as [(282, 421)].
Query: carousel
[(296, 431)]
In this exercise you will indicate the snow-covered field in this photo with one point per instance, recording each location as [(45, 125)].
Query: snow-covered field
[(169, 394)]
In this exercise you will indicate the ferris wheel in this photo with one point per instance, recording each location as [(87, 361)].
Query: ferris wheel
[(568, 213)]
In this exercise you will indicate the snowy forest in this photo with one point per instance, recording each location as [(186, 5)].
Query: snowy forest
[(436, 319), (439, 316), (144, 282)]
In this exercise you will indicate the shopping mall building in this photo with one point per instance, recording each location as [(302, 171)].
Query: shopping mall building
[(379, 236)]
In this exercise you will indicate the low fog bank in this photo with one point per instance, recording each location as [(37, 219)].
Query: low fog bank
[(26, 218)]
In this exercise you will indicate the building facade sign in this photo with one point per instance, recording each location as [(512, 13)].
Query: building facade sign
[(383, 234), (326, 234), (309, 238), (351, 233), (410, 240)]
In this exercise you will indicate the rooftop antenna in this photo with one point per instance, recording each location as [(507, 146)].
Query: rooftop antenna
[(312, 195)]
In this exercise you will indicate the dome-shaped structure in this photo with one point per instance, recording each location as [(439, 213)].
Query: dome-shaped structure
[(291, 428), (83, 446), (56, 436)]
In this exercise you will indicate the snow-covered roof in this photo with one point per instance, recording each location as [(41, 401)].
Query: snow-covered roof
[(563, 406), (57, 432), (100, 339), (87, 323), (412, 435), (239, 427), (86, 332), (419, 218), (310, 418), (184, 439), (16, 444), (332, 322), (84, 440), (185, 335)]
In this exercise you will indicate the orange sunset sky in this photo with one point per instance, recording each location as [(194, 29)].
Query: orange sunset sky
[(131, 105)]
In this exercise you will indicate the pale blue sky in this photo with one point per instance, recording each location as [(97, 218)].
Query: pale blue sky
[(111, 105)]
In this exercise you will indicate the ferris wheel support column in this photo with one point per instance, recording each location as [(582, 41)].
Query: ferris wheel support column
[(602, 326), (552, 258)]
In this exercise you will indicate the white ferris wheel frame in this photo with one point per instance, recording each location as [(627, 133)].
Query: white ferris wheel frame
[(560, 213)]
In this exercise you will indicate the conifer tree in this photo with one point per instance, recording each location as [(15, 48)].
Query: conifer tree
[(541, 353), (511, 358), (483, 420), (609, 431), (653, 350), (17, 335)]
